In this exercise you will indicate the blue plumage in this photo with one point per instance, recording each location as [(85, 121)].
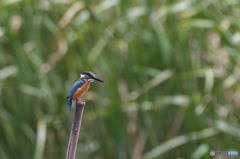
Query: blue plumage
[(70, 104), (77, 85), (81, 86)]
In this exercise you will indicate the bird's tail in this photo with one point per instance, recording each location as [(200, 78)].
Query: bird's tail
[(70, 104)]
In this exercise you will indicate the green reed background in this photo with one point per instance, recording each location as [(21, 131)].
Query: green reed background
[(171, 72)]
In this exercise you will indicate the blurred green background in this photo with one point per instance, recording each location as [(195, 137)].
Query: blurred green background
[(171, 70)]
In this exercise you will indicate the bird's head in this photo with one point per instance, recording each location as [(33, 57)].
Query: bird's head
[(89, 76)]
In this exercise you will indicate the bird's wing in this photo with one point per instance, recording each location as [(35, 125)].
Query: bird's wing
[(77, 85)]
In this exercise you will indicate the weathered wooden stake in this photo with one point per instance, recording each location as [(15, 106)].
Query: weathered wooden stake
[(72, 145)]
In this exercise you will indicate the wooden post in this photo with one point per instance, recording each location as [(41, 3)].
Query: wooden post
[(72, 145)]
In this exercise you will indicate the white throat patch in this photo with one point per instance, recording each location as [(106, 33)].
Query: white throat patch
[(90, 80)]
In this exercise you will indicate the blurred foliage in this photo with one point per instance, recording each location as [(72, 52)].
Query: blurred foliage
[(171, 72)]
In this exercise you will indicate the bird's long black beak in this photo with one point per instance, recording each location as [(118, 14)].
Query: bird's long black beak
[(97, 79)]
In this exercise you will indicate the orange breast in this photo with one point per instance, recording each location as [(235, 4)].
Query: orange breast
[(81, 91)]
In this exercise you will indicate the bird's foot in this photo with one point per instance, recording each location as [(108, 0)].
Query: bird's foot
[(80, 100)]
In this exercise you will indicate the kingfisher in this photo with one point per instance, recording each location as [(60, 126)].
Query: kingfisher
[(81, 87)]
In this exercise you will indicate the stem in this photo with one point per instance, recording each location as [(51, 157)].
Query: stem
[(72, 145)]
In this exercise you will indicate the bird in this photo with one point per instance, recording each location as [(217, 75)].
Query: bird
[(81, 86)]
